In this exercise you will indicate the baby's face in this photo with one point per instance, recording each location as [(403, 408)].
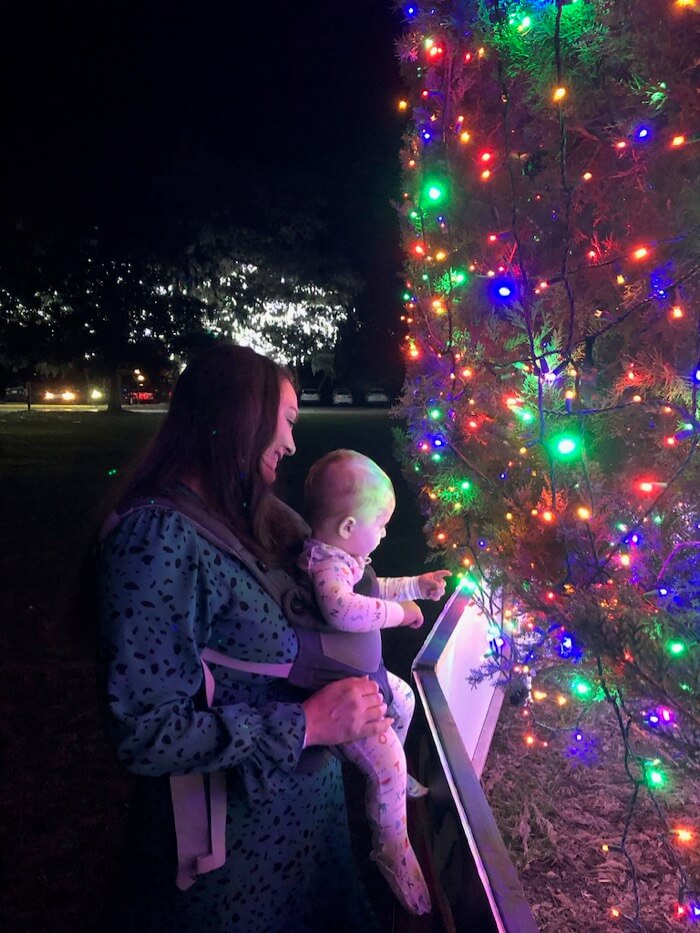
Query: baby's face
[(370, 525)]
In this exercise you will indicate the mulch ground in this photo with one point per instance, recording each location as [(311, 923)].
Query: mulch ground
[(557, 807)]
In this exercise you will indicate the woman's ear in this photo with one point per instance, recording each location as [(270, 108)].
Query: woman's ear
[(346, 527)]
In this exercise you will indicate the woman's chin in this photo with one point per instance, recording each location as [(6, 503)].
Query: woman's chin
[(268, 473)]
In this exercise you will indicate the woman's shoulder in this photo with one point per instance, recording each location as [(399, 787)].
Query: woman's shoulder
[(144, 523)]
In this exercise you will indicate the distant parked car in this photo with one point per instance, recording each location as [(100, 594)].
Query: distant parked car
[(16, 394), (139, 396), (377, 397), (309, 397), (342, 397)]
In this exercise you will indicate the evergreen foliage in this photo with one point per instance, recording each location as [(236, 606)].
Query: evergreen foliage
[(550, 221)]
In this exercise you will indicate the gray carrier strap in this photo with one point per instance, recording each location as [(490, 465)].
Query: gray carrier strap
[(251, 667)]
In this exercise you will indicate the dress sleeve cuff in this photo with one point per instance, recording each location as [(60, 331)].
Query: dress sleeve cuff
[(278, 749)]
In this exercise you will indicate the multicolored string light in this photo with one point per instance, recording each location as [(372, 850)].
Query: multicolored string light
[(552, 344)]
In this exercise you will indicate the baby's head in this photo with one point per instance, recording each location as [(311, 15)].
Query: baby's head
[(348, 501)]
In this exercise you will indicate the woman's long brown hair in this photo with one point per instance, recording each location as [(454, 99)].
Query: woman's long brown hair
[(222, 417)]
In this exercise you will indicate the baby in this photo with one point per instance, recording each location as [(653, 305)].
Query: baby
[(348, 502)]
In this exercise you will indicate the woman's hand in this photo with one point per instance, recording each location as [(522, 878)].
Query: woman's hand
[(412, 616), (344, 711), (432, 585)]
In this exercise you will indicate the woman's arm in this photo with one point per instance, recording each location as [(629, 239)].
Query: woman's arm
[(154, 613)]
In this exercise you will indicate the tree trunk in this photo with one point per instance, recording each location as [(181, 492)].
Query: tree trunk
[(114, 390), (29, 395)]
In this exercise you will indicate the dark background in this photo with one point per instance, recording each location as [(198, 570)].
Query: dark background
[(148, 120)]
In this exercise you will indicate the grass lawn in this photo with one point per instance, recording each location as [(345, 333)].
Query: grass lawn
[(63, 796)]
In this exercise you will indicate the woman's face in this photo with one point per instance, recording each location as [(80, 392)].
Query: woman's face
[(283, 442)]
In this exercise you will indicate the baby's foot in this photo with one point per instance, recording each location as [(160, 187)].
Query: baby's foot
[(405, 878), (414, 788)]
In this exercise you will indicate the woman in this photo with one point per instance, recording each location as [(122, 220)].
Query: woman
[(167, 593)]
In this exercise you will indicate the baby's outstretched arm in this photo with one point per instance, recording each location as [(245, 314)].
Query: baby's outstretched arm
[(426, 586)]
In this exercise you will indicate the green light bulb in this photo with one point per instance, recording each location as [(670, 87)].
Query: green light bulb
[(466, 484), (676, 648), (581, 688), (435, 414), (565, 446), (434, 190), (654, 775)]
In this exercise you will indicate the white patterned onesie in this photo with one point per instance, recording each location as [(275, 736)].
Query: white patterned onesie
[(381, 758)]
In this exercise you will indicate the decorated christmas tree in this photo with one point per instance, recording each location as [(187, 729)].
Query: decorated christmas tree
[(550, 219)]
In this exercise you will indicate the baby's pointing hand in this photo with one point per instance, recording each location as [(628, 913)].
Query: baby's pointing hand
[(432, 585)]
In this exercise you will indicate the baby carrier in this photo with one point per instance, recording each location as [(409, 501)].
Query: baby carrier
[(199, 800)]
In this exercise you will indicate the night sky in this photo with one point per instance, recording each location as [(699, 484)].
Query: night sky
[(146, 121)]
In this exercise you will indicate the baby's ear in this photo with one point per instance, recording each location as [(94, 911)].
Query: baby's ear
[(346, 526)]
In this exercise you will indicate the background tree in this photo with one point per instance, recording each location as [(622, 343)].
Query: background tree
[(271, 293)]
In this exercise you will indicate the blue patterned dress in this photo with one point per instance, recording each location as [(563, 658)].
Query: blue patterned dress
[(166, 592)]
